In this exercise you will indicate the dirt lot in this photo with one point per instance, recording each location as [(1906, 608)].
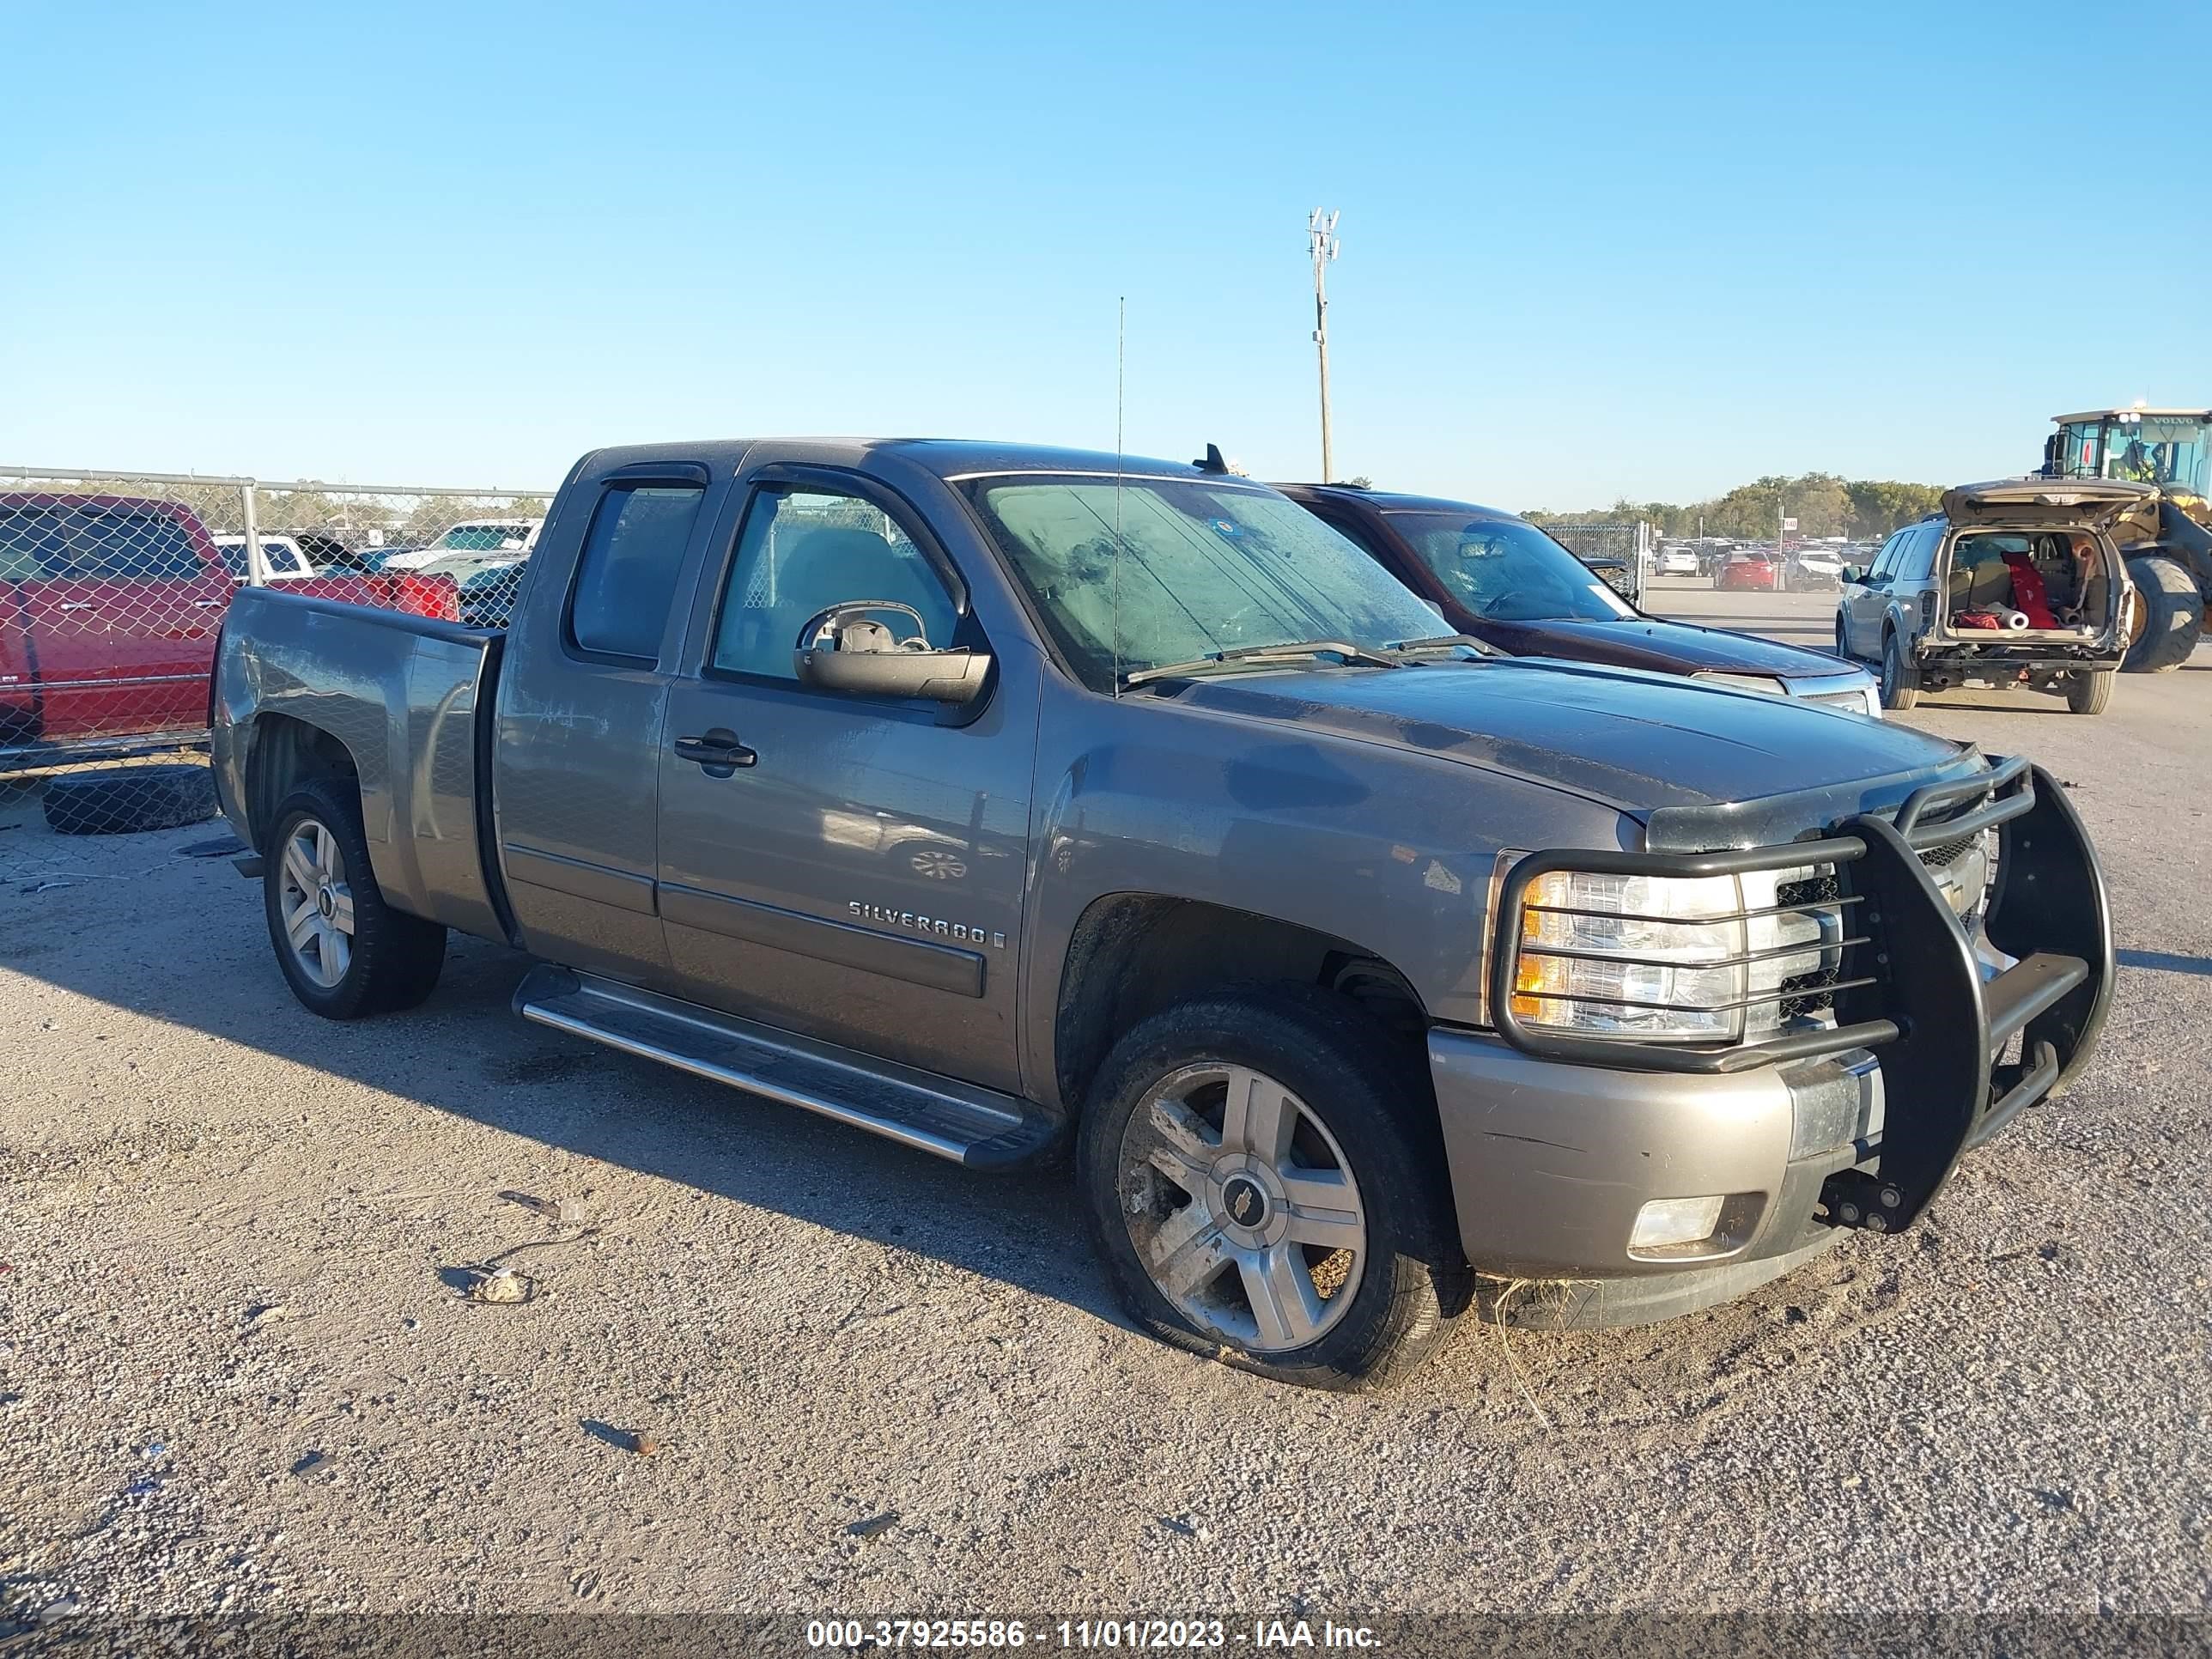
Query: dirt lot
[(239, 1371)]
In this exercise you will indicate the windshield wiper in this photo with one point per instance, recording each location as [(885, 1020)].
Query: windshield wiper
[(1238, 656), (1444, 643)]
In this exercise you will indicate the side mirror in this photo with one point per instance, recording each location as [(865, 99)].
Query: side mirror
[(1851, 572), (845, 648)]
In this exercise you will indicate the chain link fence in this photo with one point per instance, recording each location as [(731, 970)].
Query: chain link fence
[(1621, 553), (113, 586)]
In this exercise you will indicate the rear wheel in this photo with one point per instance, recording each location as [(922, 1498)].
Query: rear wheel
[(344, 952), (2168, 615), (1900, 680), (1264, 1179), (2089, 692)]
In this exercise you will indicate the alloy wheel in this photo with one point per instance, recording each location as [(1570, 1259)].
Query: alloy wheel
[(316, 903), (1243, 1207)]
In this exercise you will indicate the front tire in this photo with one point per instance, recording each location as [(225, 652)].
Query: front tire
[(2169, 614), (1900, 681), (2091, 691), (1843, 642), (344, 951), (1264, 1176)]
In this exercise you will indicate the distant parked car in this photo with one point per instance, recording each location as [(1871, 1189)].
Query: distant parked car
[(1755, 572), (514, 537), (487, 584), (281, 555), (1677, 561), (1500, 580)]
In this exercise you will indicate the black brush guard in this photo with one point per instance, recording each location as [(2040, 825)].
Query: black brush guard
[(1909, 987)]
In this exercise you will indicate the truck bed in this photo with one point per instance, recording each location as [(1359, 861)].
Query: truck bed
[(410, 699)]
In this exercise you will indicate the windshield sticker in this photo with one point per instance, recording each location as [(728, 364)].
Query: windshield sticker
[(1228, 527)]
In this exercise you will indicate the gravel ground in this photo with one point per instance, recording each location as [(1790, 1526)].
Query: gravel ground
[(240, 1371)]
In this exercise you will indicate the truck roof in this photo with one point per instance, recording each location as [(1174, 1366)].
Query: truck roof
[(2122, 414), (948, 457)]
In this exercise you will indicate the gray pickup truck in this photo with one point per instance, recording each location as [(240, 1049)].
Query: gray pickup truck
[(996, 799)]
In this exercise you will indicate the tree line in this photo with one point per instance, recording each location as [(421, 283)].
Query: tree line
[(1864, 510)]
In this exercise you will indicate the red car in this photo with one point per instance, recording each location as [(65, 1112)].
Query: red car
[(1753, 572), (109, 609)]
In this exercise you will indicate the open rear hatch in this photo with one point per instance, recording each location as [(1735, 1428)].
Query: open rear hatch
[(2043, 503)]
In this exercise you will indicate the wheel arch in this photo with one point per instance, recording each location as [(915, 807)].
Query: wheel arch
[(282, 753), (1133, 954)]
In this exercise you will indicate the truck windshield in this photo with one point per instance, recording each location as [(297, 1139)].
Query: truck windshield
[(1507, 570), (1150, 571)]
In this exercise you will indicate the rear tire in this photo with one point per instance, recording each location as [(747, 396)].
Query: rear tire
[(344, 951), (1900, 680), (2170, 614), (2089, 692), (1347, 1199)]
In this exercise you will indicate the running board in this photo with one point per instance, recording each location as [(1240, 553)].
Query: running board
[(977, 1127)]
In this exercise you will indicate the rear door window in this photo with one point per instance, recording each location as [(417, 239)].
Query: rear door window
[(96, 544), (626, 577)]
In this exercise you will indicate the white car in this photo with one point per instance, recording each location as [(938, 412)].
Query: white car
[(281, 553), (1677, 561), (515, 535)]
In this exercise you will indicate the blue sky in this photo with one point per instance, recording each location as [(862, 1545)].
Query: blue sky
[(1589, 250)]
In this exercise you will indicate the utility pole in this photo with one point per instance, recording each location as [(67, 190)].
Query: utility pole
[(1321, 242)]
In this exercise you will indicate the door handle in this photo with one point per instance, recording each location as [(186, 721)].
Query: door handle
[(80, 604), (719, 753), (206, 604)]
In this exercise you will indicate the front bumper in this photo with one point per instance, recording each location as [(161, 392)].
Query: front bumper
[(1556, 1143)]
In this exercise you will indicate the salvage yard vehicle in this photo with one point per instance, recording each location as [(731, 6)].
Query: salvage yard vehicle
[(1501, 580), (2015, 583), (109, 607), (993, 797)]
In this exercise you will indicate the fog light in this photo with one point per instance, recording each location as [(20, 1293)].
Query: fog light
[(1666, 1221)]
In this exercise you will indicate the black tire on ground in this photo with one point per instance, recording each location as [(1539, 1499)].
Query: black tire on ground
[(1900, 680), (2090, 692), (1373, 1097), (393, 959), (123, 800), (1843, 642), (2170, 611)]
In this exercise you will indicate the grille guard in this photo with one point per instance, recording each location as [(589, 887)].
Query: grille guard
[(1911, 991)]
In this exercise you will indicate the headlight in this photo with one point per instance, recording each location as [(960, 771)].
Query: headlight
[(1759, 683), (1710, 959), (1873, 694)]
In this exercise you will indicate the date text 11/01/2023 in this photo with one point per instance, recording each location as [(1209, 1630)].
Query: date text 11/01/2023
[(1138, 1634)]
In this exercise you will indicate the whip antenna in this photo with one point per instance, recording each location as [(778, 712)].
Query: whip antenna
[(1121, 360)]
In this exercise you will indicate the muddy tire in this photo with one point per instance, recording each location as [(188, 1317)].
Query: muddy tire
[(2091, 692), (1900, 679), (125, 800), (344, 951), (2169, 614), (1264, 1177)]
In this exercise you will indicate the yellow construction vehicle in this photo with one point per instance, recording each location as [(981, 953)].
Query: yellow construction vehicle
[(2167, 541)]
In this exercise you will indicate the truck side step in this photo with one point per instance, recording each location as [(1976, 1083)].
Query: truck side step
[(974, 1127)]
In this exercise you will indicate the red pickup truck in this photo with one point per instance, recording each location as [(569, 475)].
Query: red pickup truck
[(109, 609)]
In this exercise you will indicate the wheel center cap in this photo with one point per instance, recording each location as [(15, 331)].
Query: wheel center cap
[(326, 901), (1244, 1200)]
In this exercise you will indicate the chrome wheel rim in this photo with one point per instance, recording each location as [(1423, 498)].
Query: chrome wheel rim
[(315, 904), (1241, 1207)]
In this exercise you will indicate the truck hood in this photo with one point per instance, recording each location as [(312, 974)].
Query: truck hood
[(1648, 642), (2062, 503), (1632, 741)]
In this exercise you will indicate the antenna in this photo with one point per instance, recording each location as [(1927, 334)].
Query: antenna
[(1120, 362)]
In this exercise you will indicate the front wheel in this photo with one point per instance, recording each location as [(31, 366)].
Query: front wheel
[(2088, 693), (2167, 617), (1900, 681), (1842, 640), (344, 951), (1264, 1176)]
